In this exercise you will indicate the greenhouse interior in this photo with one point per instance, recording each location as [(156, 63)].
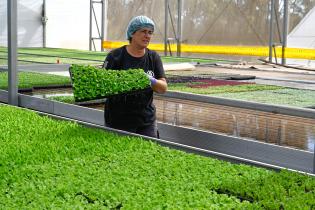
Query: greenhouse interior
[(230, 92)]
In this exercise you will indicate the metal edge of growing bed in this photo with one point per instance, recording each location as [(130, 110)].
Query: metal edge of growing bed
[(233, 149)]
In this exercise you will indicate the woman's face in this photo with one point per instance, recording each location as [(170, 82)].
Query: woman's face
[(142, 37)]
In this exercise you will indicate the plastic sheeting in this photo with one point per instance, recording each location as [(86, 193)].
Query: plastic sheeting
[(3, 23), (30, 30), (68, 24), (303, 36)]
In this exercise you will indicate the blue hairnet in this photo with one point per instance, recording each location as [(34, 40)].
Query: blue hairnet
[(137, 23)]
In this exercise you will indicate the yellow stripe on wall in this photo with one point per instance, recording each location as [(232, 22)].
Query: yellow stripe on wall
[(299, 53)]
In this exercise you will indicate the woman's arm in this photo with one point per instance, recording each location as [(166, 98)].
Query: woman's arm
[(160, 86)]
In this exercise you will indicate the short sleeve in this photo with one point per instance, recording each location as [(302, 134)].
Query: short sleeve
[(159, 69), (108, 62)]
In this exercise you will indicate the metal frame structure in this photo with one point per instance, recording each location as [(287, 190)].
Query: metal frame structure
[(101, 31), (178, 34), (44, 22), (271, 27), (272, 13), (12, 52), (285, 30)]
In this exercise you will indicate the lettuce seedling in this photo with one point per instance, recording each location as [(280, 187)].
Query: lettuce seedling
[(91, 83)]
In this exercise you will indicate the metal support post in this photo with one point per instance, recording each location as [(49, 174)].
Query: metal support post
[(271, 27), (179, 27), (285, 29), (12, 52), (44, 21), (100, 31), (166, 27), (90, 26), (104, 23)]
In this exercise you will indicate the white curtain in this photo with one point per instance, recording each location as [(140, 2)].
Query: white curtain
[(30, 30), (303, 36), (68, 24)]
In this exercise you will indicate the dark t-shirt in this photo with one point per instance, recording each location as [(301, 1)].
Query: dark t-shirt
[(136, 109)]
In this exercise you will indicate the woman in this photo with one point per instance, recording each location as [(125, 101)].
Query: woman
[(136, 112)]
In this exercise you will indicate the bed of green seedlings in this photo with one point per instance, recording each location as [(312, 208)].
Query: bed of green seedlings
[(257, 93), (268, 94), (64, 99), (93, 83), (72, 56), (64, 52), (55, 55), (296, 98), (33, 79), (221, 89), (287, 96), (50, 164)]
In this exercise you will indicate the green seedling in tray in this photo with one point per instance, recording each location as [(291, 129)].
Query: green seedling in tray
[(91, 83), (53, 164)]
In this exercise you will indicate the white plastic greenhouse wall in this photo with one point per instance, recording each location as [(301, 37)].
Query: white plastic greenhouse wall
[(303, 36), (30, 31), (67, 25)]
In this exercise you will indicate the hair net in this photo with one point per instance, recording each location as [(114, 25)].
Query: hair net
[(137, 23)]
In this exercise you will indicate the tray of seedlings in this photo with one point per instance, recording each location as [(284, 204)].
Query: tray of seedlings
[(92, 83)]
